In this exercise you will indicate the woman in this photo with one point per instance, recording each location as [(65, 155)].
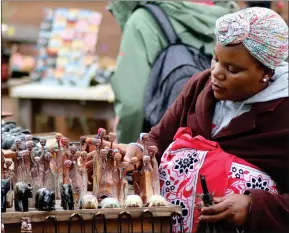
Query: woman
[(242, 104)]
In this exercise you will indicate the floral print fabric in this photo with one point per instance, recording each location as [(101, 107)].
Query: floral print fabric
[(261, 30), (188, 157)]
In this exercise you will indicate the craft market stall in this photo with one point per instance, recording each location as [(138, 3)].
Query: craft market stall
[(49, 183)]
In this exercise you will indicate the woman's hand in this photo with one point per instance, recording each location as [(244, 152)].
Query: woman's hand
[(233, 208)]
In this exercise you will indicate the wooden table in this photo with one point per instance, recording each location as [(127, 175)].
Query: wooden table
[(61, 101)]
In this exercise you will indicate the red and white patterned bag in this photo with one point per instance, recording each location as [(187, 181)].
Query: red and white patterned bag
[(188, 157)]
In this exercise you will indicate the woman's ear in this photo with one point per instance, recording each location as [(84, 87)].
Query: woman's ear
[(268, 72)]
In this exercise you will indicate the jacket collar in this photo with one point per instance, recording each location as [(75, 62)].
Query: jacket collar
[(205, 106)]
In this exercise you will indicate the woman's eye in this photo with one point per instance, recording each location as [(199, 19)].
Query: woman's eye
[(232, 69)]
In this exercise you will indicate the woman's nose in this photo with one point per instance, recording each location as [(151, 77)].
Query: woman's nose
[(217, 72)]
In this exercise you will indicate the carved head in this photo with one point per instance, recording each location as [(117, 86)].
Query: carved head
[(101, 132), (43, 142), (76, 155), (8, 163), (103, 153), (146, 160), (25, 154), (18, 142), (28, 138), (111, 137), (29, 145), (67, 163), (51, 150), (64, 141), (153, 150), (134, 160), (73, 149), (117, 157), (37, 159), (48, 156), (58, 136), (96, 142), (83, 154)]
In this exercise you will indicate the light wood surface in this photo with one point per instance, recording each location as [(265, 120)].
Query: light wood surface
[(11, 216), (101, 92)]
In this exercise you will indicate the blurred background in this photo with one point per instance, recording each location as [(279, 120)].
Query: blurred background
[(48, 93)]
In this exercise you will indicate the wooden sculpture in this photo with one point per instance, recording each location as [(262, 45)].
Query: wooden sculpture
[(26, 226), (45, 200), (22, 192)]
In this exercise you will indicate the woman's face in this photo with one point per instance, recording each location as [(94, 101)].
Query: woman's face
[(235, 74)]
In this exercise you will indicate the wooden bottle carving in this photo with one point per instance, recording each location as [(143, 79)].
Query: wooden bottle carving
[(83, 173), (58, 174), (123, 189), (146, 183), (153, 150), (136, 177), (116, 174)]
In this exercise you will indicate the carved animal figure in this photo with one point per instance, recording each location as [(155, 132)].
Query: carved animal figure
[(5, 187), (45, 200), (109, 202), (22, 192), (67, 201), (133, 201), (88, 201)]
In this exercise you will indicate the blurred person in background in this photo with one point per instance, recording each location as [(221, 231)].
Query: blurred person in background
[(142, 41)]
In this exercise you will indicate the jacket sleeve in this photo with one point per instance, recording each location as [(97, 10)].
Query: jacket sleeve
[(269, 212), (130, 79)]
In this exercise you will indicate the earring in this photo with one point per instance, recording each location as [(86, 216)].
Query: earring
[(265, 79)]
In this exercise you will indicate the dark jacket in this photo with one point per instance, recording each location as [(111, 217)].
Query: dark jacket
[(260, 136)]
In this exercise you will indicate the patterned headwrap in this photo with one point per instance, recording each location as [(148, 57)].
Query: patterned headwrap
[(262, 31)]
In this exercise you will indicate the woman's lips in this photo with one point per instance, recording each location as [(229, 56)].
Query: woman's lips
[(217, 88)]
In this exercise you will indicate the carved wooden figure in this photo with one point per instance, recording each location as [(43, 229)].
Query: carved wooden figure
[(123, 190), (5, 187), (88, 201), (153, 150), (2, 228), (146, 183), (111, 138), (26, 226), (83, 172), (83, 144), (22, 192), (67, 201), (116, 175), (45, 200), (102, 174), (136, 177), (70, 177), (18, 145), (2, 164)]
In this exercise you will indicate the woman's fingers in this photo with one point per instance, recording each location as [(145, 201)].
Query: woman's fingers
[(215, 209), (215, 218)]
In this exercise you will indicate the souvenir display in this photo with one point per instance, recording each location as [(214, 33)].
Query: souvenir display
[(36, 166), (67, 44)]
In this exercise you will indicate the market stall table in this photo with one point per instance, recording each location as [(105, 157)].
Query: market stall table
[(62, 101)]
